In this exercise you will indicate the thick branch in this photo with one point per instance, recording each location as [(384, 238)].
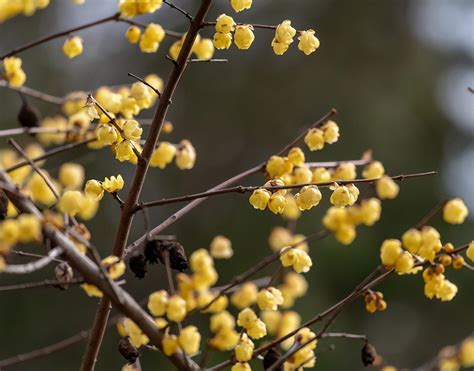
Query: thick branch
[(127, 214)]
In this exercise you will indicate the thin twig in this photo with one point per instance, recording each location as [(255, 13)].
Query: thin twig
[(50, 153), (430, 214), (33, 266), (48, 98), (144, 82), (243, 189), (43, 176), (38, 284), (182, 11)]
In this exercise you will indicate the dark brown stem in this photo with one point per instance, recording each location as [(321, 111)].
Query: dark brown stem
[(127, 214), (48, 154), (430, 214), (39, 284), (144, 82)]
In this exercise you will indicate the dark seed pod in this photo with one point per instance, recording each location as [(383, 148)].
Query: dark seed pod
[(3, 205), (29, 116), (177, 255), (64, 275), (137, 264), (127, 350), (368, 354), (270, 358), (151, 251)]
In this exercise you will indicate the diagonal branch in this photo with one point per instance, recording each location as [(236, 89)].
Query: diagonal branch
[(123, 230)]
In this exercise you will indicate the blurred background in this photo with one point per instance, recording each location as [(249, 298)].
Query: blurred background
[(397, 71)]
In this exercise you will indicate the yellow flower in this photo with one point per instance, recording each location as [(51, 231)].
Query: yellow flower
[(107, 134), (284, 33), (470, 251), (257, 329), (243, 36), (29, 227), (13, 72), (373, 170), (278, 47), (176, 309), (302, 175), (346, 233), (157, 303), (154, 32), (175, 49), (93, 189), (89, 208), (133, 34), (225, 24), (321, 175), (447, 291), (239, 5), (185, 155), (404, 263), (278, 166), (124, 151), (296, 156), (370, 211), (386, 188), (246, 318), (304, 335), (39, 190), (114, 184), (466, 352), (9, 232), (222, 40), (411, 240), (204, 49), (225, 339), (308, 42), (189, 339), (345, 171), (314, 139), (291, 211), (132, 130), (241, 367), (272, 320), (245, 296), (344, 195), (115, 266), (221, 320), (170, 344), (73, 47), (221, 248), (259, 199), (71, 175), (269, 298), (308, 197), (455, 211), (330, 132), (277, 203), (297, 258), (92, 290), (390, 251), (244, 349), (71, 202)]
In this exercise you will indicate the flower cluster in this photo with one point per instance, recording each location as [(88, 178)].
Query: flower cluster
[(374, 301), (203, 48), (10, 9), (13, 72), (131, 8), (284, 34), (225, 25)]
